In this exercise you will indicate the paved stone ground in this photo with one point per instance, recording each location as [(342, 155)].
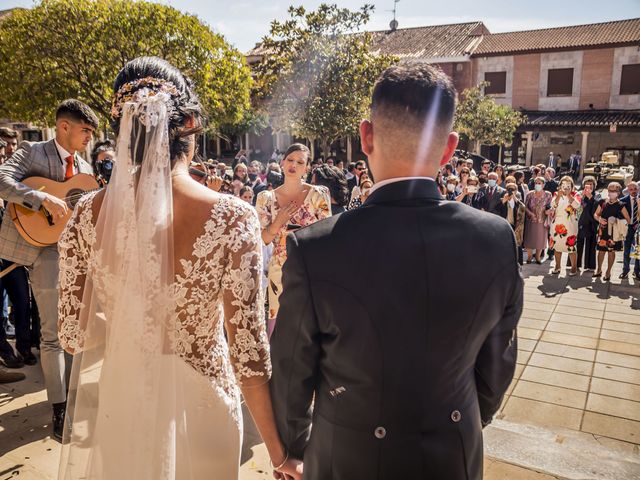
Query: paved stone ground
[(575, 394)]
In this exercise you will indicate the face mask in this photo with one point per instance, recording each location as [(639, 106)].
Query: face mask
[(492, 183), (538, 187), (566, 186), (613, 195), (253, 176), (451, 187)]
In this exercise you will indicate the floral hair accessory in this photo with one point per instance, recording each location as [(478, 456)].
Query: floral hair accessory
[(152, 86)]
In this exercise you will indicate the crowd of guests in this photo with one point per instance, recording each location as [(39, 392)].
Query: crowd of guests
[(551, 215)]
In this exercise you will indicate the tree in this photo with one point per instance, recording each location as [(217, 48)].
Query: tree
[(483, 121), (75, 48), (318, 72)]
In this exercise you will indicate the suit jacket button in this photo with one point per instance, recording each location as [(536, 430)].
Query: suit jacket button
[(456, 416), (380, 433)]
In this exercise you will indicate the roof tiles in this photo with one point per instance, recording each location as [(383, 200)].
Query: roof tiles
[(572, 37), (436, 41)]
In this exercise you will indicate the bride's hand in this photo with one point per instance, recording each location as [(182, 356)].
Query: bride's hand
[(291, 470)]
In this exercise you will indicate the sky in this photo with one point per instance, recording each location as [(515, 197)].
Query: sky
[(244, 22)]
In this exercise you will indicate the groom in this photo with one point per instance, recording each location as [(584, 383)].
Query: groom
[(397, 375), (56, 159)]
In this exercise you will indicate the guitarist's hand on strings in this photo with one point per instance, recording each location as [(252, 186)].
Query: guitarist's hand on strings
[(56, 207)]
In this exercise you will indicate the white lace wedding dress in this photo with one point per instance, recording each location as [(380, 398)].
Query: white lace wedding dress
[(215, 339)]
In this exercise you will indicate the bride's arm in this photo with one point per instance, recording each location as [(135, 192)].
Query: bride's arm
[(247, 336), (71, 281)]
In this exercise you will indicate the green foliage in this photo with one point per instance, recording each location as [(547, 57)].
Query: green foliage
[(253, 121), (75, 48), (483, 121), (318, 72)]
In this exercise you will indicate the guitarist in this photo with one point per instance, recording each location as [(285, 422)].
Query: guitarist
[(58, 160)]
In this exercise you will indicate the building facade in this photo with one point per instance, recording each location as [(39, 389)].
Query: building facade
[(579, 87)]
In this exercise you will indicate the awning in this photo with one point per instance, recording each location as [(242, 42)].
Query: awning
[(582, 118)]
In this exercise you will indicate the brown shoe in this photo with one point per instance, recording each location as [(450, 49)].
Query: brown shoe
[(8, 377)]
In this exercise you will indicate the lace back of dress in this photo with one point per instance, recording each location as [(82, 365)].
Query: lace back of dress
[(123, 427)]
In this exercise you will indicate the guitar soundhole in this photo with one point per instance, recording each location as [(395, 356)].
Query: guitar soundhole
[(73, 196)]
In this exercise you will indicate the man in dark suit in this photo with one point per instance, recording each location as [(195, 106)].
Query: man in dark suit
[(552, 161), (360, 167), (574, 165), (550, 185), (491, 200), (630, 201), (254, 180), (402, 376)]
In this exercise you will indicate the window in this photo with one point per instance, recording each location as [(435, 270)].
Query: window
[(630, 81), (560, 82), (497, 83)]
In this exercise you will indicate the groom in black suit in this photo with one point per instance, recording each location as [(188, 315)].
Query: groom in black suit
[(397, 375)]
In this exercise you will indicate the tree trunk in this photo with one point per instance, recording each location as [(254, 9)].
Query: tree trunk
[(476, 146), (312, 148), (325, 149)]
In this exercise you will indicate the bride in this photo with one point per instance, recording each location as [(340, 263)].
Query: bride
[(161, 305)]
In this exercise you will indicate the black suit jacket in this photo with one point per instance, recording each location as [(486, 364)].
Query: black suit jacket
[(257, 188), (492, 203), (587, 224), (402, 373), (551, 186), (352, 183), (626, 201)]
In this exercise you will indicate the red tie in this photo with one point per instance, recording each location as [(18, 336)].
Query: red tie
[(69, 173)]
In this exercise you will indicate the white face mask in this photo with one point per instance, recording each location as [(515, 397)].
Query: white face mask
[(613, 196), (538, 187), (451, 187)]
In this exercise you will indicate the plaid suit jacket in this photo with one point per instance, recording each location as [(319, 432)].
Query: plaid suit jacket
[(39, 159)]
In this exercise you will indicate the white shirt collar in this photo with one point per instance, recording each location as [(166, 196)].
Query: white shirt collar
[(395, 180), (63, 153)]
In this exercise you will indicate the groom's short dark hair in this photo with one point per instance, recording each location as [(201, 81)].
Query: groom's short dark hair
[(73, 109), (423, 92)]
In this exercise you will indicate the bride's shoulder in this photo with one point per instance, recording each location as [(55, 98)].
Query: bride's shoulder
[(235, 209)]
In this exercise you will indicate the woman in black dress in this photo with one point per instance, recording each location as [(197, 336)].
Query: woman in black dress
[(608, 215)]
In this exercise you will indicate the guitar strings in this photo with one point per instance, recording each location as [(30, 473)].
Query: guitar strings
[(78, 195)]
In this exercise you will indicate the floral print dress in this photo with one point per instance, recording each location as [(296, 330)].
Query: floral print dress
[(316, 206), (564, 228)]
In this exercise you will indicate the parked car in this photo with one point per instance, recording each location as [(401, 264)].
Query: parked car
[(609, 170)]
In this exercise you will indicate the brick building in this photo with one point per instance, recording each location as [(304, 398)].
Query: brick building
[(579, 87)]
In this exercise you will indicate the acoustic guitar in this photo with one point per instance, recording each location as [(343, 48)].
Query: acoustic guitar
[(40, 228)]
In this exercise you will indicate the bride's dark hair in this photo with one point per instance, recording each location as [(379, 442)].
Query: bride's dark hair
[(185, 102)]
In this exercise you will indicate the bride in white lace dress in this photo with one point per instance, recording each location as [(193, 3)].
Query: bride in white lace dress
[(161, 305)]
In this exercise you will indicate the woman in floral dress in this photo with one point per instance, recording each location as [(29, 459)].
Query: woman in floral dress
[(565, 207), (293, 205)]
